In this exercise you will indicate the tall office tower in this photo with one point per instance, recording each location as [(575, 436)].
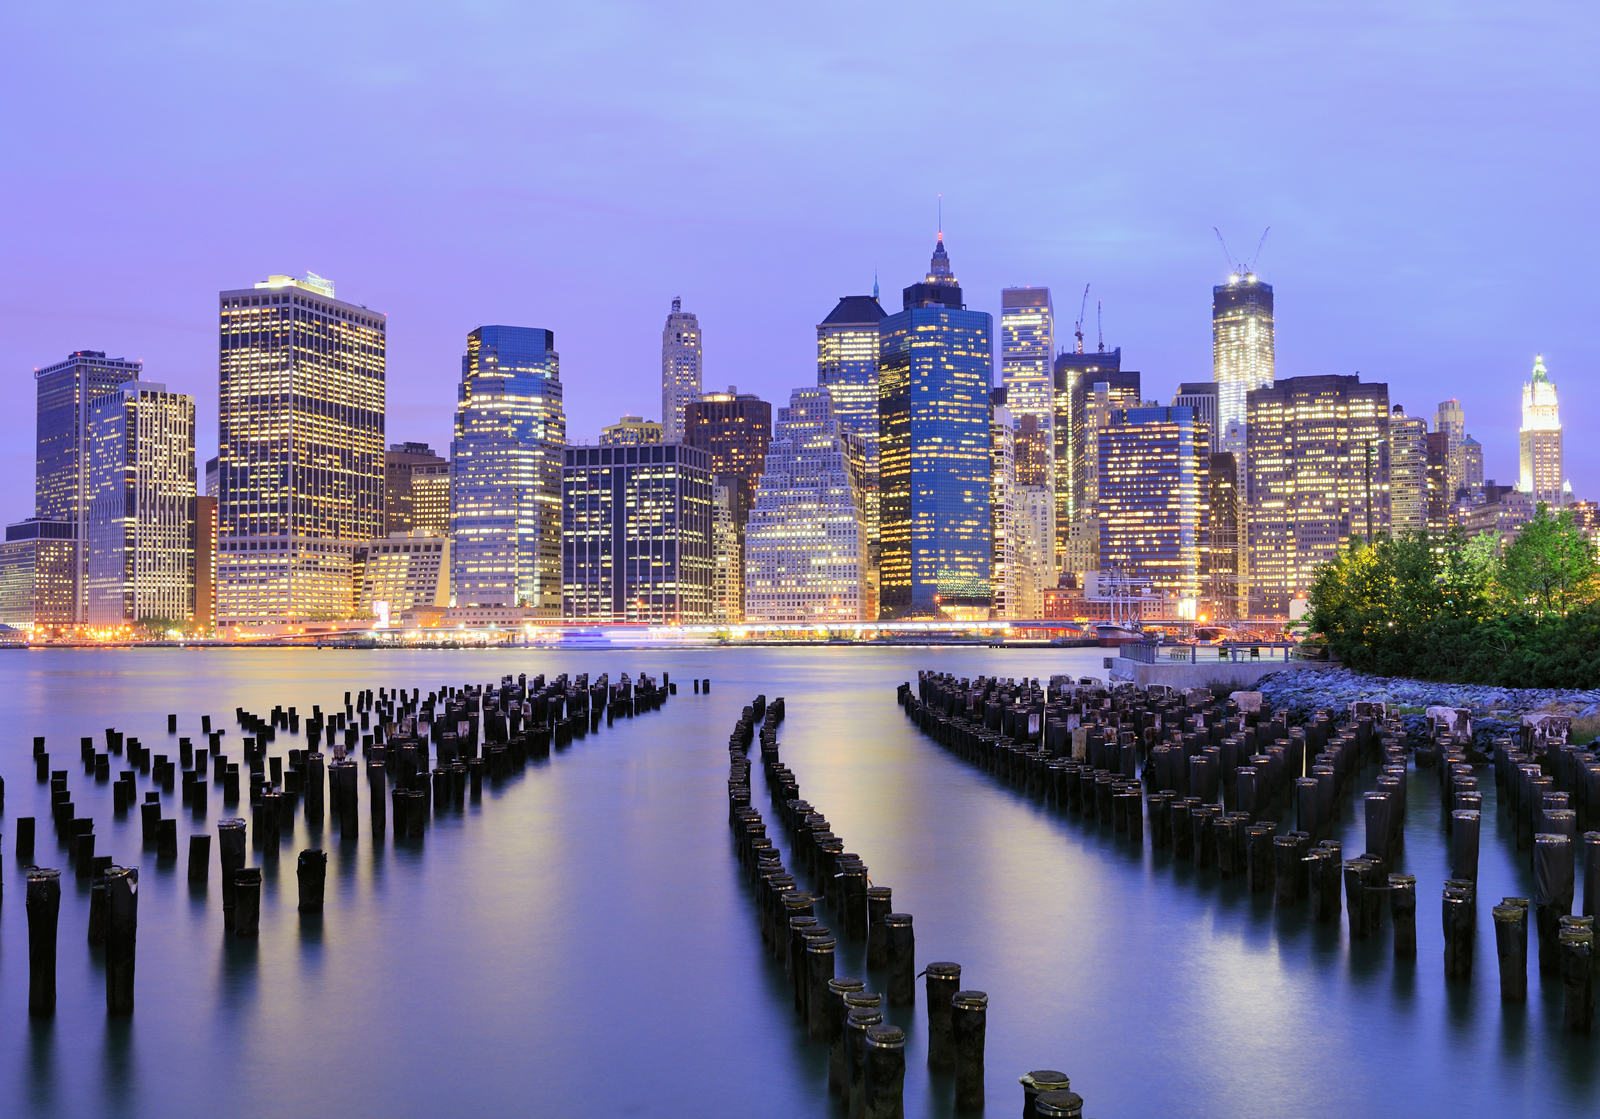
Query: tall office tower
[(141, 506), (212, 483), (680, 371), (1027, 346), (1318, 468), (1002, 507), (935, 366), (806, 543), (1242, 352), (630, 431), (1543, 476), (1221, 555), (636, 535), (727, 576), (505, 503), (735, 429), (39, 573), (1452, 421), (1034, 554), (1153, 482), (430, 498), (205, 560), (1471, 465), (300, 465), (1086, 388), (1438, 481), (65, 391), (847, 366), (1408, 472), (399, 496)]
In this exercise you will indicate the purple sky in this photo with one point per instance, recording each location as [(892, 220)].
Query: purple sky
[(1429, 178)]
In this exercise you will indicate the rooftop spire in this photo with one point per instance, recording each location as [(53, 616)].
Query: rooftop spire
[(1539, 373)]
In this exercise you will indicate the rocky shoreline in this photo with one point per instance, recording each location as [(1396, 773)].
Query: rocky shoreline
[(1495, 711)]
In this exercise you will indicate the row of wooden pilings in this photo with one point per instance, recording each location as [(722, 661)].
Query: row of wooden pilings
[(1214, 782), (468, 729), (866, 1056)]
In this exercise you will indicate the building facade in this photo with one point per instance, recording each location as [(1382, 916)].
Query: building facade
[(806, 541), (400, 463), (1087, 388), (1318, 469), (39, 574), (630, 431), (1153, 483), (1221, 554), (1543, 473), (1408, 472), (1243, 352), (65, 393), (727, 577), (1027, 352), (300, 465), (506, 464), (735, 429), (681, 371), (847, 366), (141, 507), (637, 535), (935, 366), (1451, 421), (405, 571), (1002, 507)]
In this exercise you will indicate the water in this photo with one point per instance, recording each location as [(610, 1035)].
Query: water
[(582, 942)]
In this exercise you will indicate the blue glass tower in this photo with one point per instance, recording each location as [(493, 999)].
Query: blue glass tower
[(935, 366), (505, 488)]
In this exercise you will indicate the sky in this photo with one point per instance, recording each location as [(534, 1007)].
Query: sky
[(1428, 172)]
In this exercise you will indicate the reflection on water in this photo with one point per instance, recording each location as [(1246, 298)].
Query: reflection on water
[(581, 941)]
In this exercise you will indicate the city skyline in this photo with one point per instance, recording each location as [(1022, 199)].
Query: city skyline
[(1353, 201)]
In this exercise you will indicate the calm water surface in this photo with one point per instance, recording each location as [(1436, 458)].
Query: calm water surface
[(581, 941)]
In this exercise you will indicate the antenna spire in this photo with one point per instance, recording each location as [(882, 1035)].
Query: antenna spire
[(941, 217), (874, 282)]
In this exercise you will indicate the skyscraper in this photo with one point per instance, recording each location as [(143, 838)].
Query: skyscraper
[(727, 576), (735, 429), (1221, 555), (847, 366), (1318, 467), (680, 371), (1452, 422), (1408, 472), (400, 463), (506, 515), (806, 541), (430, 499), (1242, 354), (65, 392), (1153, 482), (141, 506), (38, 573), (1087, 387), (1027, 347), (1543, 474), (1002, 508), (935, 366), (636, 535), (1472, 464), (300, 467)]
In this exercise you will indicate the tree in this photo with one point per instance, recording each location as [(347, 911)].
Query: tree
[(1550, 569)]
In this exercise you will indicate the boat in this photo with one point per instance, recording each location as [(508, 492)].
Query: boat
[(1112, 635)]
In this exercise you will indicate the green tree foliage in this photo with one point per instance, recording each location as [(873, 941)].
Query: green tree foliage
[(1462, 609)]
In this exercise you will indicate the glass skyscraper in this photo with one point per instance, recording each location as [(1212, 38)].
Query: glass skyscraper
[(1242, 352), (847, 366), (300, 467), (506, 462), (65, 391), (141, 506), (1027, 349), (935, 366), (1152, 489), (1086, 389)]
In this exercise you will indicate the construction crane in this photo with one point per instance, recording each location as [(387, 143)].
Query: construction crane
[(1098, 329), (1082, 310), (1239, 267), (1226, 255)]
